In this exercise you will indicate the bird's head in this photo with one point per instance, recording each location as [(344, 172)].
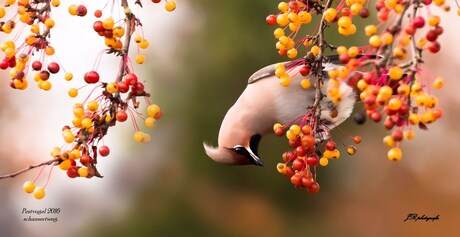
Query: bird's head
[(238, 154)]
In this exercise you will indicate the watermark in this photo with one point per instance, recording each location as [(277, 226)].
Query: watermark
[(41, 215), (416, 217)]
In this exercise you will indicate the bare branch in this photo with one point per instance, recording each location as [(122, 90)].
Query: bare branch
[(31, 167)]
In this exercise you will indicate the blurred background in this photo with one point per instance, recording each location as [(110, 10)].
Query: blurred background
[(200, 58)]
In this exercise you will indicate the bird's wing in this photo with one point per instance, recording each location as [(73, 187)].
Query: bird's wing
[(265, 72)]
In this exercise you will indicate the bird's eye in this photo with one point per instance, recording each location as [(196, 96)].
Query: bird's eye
[(240, 150)]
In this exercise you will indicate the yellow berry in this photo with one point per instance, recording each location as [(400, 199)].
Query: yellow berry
[(2, 12), (149, 122), (278, 33), (282, 20), (86, 123), (73, 9), (353, 51), (46, 85), (375, 41), (28, 186), (395, 73), (140, 59), (394, 104), (305, 83), (138, 136), (394, 154), (73, 92), (49, 23), (295, 129), (409, 134), (323, 161), (315, 50), (39, 192), (434, 20), (305, 17), (292, 53), (92, 105), (68, 136), (170, 5), (414, 119), (351, 150), (283, 6), (428, 117), (344, 22), (438, 83), (152, 110), (108, 23), (83, 171), (55, 3), (388, 141), (65, 164), (68, 76), (387, 38), (342, 50), (112, 87), (144, 44), (355, 8), (281, 167)]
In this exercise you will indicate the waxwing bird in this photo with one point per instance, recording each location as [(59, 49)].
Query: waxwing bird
[(265, 102)]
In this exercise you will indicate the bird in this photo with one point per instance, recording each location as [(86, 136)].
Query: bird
[(265, 102)]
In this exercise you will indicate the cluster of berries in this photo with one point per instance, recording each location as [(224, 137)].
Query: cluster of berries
[(387, 74)]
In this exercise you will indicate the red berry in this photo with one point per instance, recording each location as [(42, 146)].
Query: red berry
[(72, 172), (85, 159), (307, 182), (91, 77), (4, 64), (104, 150), (138, 88), (298, 164), (279, 131), (293, 5), (357, 139), (130, 78), (431, 35), (427, 2), (344, 58), (44, 75), (418, 22), (305, 70), (312, 160), (37, 65), (376, 116), (397, 135), (158, 115), (345, 11), (81, 10), (97, 26), (434, 46), (98, 13), (271, 20), (314, 188), (296, 179), (330, 145), (123, 87), (108, 33), (439, 30), (410, 30), (379, 5), (289, 172), (300, 150), (364, 12), (156, 1), (53, 67), (388, 124), (121, 116)]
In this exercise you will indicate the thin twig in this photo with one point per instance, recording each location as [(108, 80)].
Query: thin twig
[(31, 167)]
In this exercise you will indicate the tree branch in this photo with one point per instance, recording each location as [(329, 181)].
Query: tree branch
[(31, 167)]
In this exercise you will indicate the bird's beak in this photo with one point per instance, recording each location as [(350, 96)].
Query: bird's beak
[(254, 159)]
